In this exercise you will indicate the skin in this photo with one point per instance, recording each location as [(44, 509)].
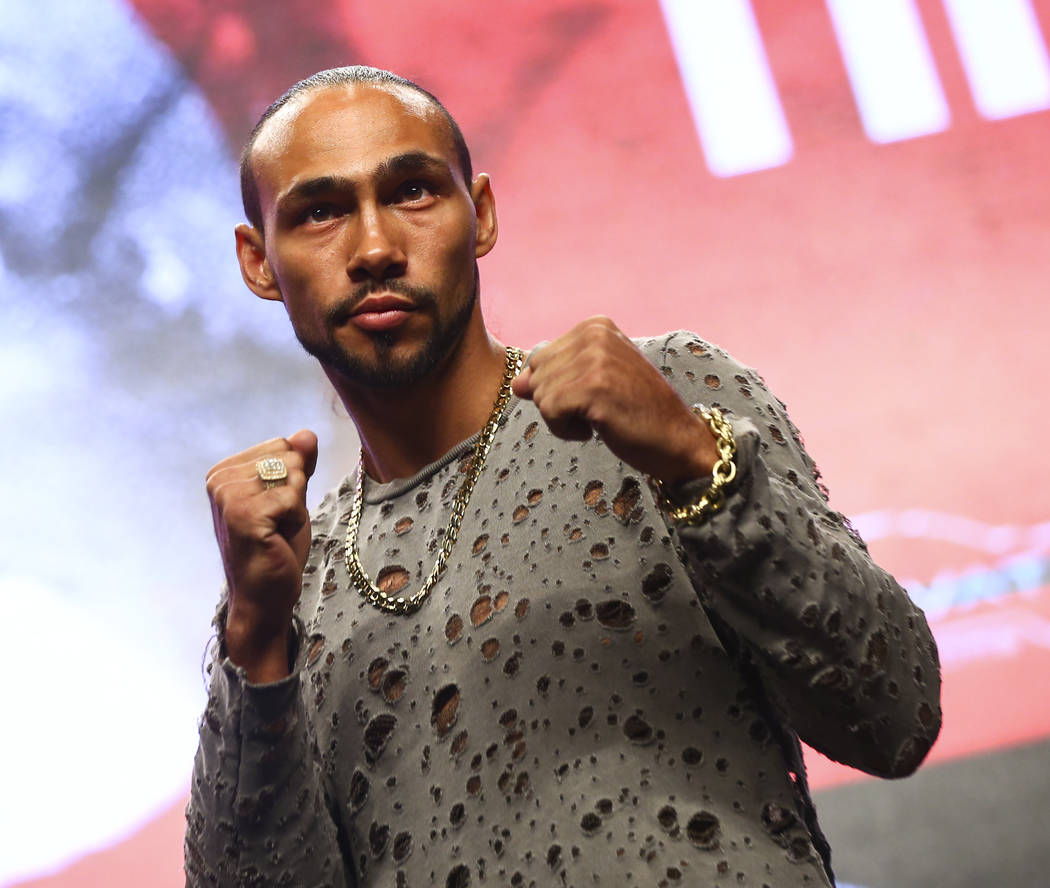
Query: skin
[(362, 197)]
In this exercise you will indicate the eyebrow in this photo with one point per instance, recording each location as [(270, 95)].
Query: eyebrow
[(409, 162)]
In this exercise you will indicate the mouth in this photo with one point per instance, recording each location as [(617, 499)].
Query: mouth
[(383, 311)]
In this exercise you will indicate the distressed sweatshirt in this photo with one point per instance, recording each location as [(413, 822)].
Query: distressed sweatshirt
[(590, 695)]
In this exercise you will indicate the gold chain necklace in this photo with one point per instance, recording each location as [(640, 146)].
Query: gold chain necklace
[(372, 593)]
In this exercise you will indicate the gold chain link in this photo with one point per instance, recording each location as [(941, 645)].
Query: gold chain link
[(723, 473), (401, 605)]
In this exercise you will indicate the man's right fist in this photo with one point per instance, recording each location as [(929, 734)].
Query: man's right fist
[(264, 539)]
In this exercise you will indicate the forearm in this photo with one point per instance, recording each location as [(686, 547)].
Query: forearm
[(257, 811), (264, 660), (841, 649)]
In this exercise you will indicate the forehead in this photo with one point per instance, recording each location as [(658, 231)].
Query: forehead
[(347, 130)]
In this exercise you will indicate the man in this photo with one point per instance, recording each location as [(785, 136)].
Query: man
[(494, 655)]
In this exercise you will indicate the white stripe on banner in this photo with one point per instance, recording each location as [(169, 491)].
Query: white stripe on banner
[(890, 68), (728, 83), (1004, 54)]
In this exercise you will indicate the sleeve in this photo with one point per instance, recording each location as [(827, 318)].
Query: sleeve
[(258, 814), (845, 657)]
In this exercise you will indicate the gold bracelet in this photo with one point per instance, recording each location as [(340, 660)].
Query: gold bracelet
[(723, 473)]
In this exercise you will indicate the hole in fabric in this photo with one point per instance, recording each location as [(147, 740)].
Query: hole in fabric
[(615, 614), (776, 819), (378, 836), (377, 735), (394, 685), (481, 611), (657, 582), (668, 817), (459, 877), (703, 830), (375, 672), (638, 730), (446, 704)]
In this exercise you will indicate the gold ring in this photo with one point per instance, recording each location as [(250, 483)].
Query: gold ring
[(272, 471)]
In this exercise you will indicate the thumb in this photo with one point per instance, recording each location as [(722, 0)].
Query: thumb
[(304, 442)]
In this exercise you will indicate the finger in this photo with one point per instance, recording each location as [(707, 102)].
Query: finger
[(250, 512), (522, 384), (295, 480), (570, 427), (243, 482), (304, 443), (563, 411), (291, 513), (273, 447), (533, 357), (263, 499), (245, 466)]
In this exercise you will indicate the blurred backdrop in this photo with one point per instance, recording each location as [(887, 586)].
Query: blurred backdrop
[(851, 196)]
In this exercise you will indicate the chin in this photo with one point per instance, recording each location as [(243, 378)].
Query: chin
[(390, 364), (394, 359)]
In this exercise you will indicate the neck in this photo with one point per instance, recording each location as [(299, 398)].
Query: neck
[(403, 430)]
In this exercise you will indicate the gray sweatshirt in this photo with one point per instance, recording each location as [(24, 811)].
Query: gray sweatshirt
[(589, 696)]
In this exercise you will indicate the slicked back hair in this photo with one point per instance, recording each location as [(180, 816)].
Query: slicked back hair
[(323, 80)]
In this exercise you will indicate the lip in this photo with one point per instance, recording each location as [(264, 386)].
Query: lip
[(382, 312)]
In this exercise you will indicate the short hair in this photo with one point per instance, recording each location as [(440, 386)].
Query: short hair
[(338, 77)]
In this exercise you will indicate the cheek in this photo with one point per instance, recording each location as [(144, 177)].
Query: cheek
[(453, 254), (310, 276), (303, 300)]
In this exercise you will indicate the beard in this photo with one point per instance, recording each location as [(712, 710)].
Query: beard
[(386, 370)]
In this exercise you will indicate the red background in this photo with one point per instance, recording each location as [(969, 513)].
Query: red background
[(892, 295)]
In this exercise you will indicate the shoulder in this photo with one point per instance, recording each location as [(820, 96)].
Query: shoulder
[(703, 373), (691, 362), (334, 507), (681, 346), (328, 523)]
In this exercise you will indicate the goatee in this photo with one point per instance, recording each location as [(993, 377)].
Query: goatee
[(386, 370)]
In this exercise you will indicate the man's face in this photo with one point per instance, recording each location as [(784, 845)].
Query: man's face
[(370, 231)]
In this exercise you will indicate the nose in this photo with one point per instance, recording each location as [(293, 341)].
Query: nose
[(376, 252)]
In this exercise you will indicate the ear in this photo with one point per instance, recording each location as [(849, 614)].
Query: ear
[(485, 209), (255, 268)]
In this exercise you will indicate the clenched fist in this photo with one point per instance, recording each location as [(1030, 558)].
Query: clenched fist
[(594, 379), (264, 539)]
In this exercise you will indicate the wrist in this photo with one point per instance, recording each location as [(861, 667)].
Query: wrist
[(721, 473), (693, 456), (265, 656)]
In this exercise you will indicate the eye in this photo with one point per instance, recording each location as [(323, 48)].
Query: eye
[(320, 213), (414, 192)]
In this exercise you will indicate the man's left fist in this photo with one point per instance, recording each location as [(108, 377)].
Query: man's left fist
[(594, 379)]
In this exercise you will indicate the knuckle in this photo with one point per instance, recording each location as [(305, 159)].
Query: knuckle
[(547, 412), (221, 496), (234, 512), (603, 329), (290, 496), (214, 478)]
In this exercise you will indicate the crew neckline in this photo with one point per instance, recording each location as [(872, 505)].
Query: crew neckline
[(376, 492)]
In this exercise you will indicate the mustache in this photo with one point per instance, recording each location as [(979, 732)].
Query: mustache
[(340, 313)]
